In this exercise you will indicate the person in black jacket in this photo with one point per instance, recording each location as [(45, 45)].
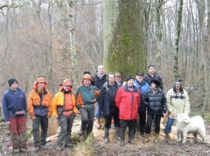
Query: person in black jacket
[(153, 75), (108, 107), (155, 102), (98, 80)]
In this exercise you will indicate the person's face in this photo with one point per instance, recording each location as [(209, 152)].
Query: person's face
[(101, 69), (111, 78), (140, 78), (152, 70), (67, 87), (87, 83), (14, 86), (41, 85), (130, 83), (153, 86), (178, 87), (118, 79)]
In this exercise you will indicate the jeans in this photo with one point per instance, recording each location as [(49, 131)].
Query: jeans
[(169, 125)]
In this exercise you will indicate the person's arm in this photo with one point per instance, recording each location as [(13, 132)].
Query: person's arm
[(54, 106), (25, 102), (50, 106), (30, 106), (168, 102), (164, 104), (118, 98)]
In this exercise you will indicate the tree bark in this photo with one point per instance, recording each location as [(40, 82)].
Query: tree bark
[(123, 36)]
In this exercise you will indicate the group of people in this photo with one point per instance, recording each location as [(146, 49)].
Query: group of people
[(104, 96)]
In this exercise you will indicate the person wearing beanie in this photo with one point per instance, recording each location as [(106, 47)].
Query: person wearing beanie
[(64, 109), (127, 100), (151, 75), (143, 87), (155, 102), (177, 102), (85, 103), (98, 80), (14, 109), (40, 109)]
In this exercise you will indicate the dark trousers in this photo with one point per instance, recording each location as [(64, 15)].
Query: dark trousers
[(142, 122), (150, 119), (17, 128), (114, 113), (131, 124), (43, 121), (65, 124), (87, 116)]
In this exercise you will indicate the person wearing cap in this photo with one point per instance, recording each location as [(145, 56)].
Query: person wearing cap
[(143, 87), (109, 109), (153, 75), (127, 100), (14, 110), (118, 79), (98, 80), (39, 109), (155, 102), (64, 109), (85, 102), (177, 102)]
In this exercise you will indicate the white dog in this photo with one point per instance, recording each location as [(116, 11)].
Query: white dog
[(186, 125)]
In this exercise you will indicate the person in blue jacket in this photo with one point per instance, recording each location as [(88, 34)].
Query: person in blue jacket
[(14, 110), (143, 87)]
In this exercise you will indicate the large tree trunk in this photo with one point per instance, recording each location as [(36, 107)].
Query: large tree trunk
[(123, 36)]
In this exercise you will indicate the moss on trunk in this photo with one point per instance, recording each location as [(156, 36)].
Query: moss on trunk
[(124, 50)]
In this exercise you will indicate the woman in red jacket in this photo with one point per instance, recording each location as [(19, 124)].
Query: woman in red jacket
[(128, 100)]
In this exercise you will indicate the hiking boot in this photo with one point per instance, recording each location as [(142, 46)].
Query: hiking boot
[(118, 133), (167, 137), (69, 145), (156, 138), (106, 140), (122, 142), (147, 136)]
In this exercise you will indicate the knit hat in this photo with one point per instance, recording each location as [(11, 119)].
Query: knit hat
[(11, 81), (156, 82), (178, 82), (129, 78), (41, 79), (87, 77), (67, 82)]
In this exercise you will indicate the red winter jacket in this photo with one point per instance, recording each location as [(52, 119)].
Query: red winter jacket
[(128, 103)]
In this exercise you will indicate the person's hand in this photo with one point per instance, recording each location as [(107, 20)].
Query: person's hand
[(33, 117)]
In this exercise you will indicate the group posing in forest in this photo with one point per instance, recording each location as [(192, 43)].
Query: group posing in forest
[(106, 97)]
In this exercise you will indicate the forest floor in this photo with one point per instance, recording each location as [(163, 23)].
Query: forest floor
[(95, 145)]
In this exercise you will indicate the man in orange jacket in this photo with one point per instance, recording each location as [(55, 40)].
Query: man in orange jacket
[(64, 109), (39, 109)]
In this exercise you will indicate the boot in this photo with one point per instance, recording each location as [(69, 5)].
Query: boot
[(122, 137), (156, 137), (167, 137), (106, 135), (131, 136), (147, 136), (118, 133)]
